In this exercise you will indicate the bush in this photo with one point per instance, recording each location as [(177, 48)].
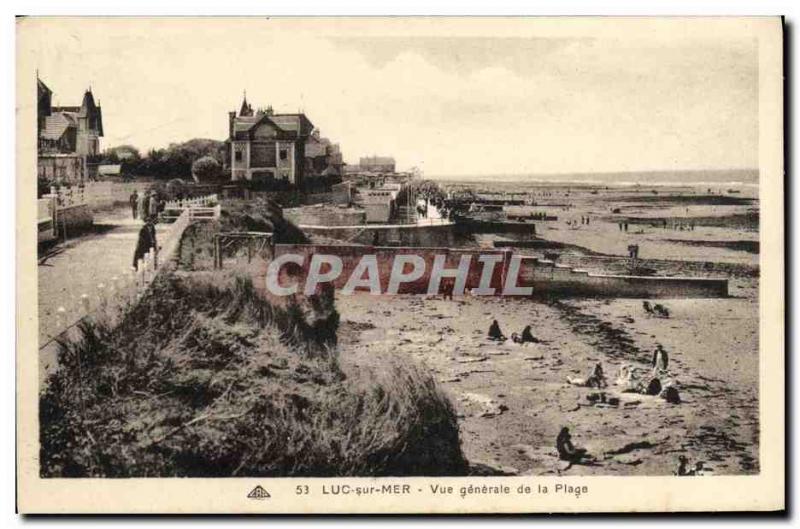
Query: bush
[(205, 169), (203, 378)]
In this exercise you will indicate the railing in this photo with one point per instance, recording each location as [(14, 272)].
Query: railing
[(257, 243), (206, 200), (200, 213), (113, 298), (199, 207), (98, 194), (432, 222)]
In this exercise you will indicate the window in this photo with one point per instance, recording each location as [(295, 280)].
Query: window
[(238, 155), (284, 154)]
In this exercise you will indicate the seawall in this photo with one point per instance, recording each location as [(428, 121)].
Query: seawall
[(545, 277)]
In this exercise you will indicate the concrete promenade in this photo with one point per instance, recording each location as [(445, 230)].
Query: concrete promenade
[(80, 265)]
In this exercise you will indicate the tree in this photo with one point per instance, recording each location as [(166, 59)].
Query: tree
[(175, 161), (205, 169), (122, 153)]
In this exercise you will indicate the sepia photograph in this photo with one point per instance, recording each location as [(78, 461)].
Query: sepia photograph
[(469, 249)]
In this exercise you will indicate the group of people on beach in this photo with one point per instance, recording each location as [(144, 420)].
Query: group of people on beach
[(585, 221), (497, 335), (631, 379)]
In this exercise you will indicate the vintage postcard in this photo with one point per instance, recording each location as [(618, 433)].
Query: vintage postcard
[(400, 265)]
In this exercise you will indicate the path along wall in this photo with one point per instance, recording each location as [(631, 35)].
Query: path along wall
[(546, 278)]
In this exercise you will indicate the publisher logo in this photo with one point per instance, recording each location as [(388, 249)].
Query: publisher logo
[(258, 493)]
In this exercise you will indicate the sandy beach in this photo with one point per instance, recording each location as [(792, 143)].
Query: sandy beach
[(513, 399)]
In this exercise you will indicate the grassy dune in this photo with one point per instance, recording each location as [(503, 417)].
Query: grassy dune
[(204, 378)]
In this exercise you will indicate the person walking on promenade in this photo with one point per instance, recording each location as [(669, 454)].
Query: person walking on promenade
[(147, 240), (134, 202), (144, 205), (152, 206)]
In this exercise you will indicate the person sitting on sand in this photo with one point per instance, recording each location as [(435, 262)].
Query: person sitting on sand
[(661, 310), (495, 333), (653, 387), (683, 466), (597, 379), (527, 336), (670, 394), (698, 469), (566, 450), (631, 381), (628, 377), (660, 362)]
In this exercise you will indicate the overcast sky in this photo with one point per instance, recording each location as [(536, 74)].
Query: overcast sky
[(447, 101)]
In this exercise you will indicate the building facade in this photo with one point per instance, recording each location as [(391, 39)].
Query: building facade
[(68, 130), (323, 157), (58, 168), (377, 164), (263, 145)]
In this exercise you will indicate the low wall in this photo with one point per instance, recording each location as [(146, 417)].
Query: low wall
[(618, 265), (546, 278), (325, 216), (336, 196), (391, 235), (563, 281), (74, 219), (351, 255)]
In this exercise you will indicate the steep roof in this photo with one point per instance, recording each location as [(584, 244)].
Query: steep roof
[(291, 126), (42, 88), (90, 110), (57, 124), (74, 110), (298, 123), (246, 110), (43, 99)]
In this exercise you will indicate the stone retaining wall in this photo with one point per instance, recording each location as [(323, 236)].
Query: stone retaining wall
[(546, 278)]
